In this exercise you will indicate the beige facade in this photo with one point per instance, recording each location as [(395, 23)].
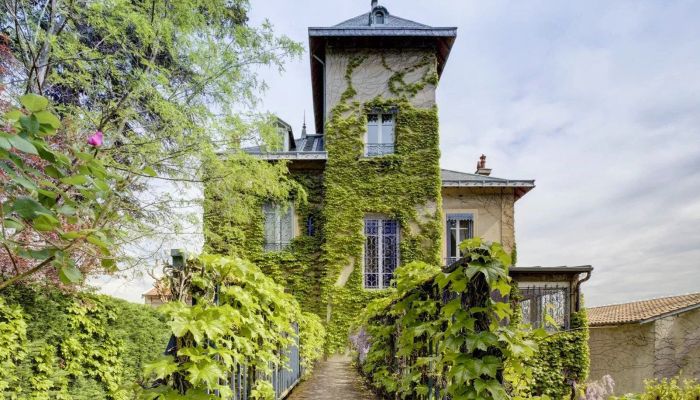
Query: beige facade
[(662, 348), (493, 211), (371, 80)]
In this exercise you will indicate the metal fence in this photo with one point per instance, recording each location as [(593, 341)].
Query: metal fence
[(283, 378)]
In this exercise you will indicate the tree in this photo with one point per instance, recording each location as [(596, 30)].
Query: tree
[(172, 85), (55, 201)]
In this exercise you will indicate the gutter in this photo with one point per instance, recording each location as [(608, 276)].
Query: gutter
[(324, 89)]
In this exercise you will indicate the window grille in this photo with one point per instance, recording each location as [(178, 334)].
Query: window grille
[(279, 228), (380, 138), (310, 226), (459, 228), (545, 307), (381, 252)]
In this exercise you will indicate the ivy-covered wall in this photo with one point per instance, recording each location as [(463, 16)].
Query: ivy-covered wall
[(561, 358), (404, 186)]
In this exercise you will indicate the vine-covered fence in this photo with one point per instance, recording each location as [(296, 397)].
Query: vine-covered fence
[(446, 334), (283, 377), (236, 334)]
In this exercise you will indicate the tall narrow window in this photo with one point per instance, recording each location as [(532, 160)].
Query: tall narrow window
[(459, 228), (381, 252), (279, 228), (380, 135)]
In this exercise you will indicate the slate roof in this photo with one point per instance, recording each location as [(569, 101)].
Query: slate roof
[(391, 21), (310, 143), (642, 311)]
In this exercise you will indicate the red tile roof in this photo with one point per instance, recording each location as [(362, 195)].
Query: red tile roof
[(640, 311), (155, 292)]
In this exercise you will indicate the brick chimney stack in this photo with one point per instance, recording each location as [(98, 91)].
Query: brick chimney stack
[(481, 167)]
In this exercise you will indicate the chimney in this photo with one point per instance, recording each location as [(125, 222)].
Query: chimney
[(481, 167), (375, 3)]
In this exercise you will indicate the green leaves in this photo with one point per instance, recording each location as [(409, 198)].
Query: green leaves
[(249, 324), (58, 204), (68, 273), (22, 144), (34, 102), (448, 327)]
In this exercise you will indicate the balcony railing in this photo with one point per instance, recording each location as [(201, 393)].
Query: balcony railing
[(379, 149)]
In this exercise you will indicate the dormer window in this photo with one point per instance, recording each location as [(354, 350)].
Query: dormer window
[(379, 18)]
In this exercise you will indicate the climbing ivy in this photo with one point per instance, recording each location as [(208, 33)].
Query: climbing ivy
[(239, 318), (13, 339), (395, 185), (442, 333), (562, 359)]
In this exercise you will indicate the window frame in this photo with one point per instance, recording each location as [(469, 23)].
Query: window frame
[(380, 133), (279, 244), (380, 247), (539, 292), (377, 16), (457, 217)]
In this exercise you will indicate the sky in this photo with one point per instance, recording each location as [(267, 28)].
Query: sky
[(598, 101)]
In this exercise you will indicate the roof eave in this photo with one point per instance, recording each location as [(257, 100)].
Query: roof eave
[(443, 37)]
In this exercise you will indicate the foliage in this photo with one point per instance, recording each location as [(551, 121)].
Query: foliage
[(240, 317), (562, 358), (404, 186), (444, 331), (79, 346), (666, 389), (13, 338), (263, 390), (312, 335), (155, 76), (55, 200)]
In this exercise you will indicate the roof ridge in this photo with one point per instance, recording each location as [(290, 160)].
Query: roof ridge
[(645, 300)]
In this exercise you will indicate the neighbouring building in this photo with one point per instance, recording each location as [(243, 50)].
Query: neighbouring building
[(650, 339)]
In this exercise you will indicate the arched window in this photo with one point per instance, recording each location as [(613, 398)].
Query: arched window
[(379, 18)]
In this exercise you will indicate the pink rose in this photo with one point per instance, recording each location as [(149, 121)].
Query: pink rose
[(95, 140)]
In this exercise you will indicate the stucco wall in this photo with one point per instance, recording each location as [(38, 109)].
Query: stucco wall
[(493, 212), (631, 353), (678, 346), (371, 78), (625, 352)]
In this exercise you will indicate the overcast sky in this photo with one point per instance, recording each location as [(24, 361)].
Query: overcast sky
[(598, 101)]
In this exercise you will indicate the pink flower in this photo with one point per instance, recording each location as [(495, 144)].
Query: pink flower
[(95, 140)]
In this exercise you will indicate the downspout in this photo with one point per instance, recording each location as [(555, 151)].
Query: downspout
[(323, 128), (578, 288)]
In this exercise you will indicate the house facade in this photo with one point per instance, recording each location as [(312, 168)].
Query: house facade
[(376, 197)]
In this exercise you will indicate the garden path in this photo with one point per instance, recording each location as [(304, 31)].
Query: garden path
[(333, 379)]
